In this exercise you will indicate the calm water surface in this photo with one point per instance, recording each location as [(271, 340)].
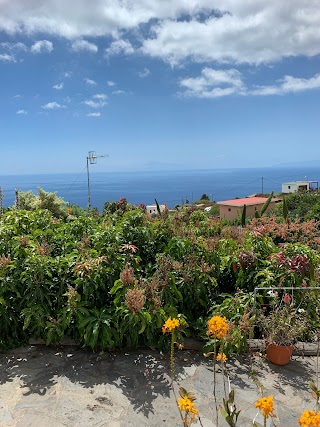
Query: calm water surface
[(171, 187)]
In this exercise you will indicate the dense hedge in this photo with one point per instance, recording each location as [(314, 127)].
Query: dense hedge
[(112, 280)]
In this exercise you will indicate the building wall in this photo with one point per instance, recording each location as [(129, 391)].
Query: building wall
[(152, 209), (233, 212), (289, 188), (295, 186), (230, 212)]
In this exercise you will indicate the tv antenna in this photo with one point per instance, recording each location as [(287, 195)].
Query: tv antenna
[(91, 160)]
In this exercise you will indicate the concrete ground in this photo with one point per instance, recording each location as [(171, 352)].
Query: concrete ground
[(68, 386)]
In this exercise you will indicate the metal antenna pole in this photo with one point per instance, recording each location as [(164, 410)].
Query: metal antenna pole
[(91, 159), (88, 175), (1, 202)]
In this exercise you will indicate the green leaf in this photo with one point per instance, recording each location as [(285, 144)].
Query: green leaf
[(223, 412), (143, 326), (266, 204)]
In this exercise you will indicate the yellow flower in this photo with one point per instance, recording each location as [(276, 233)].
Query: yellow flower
[(221, 357), (170, 325), (265, 404), (309, 419), (217, 327), (186, 404)]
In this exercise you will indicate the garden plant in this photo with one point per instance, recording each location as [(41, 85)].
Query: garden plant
[(119, 278)]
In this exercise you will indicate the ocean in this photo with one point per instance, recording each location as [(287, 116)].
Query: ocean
[(170, 187)]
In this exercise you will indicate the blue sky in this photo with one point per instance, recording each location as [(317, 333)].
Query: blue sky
[(157, 84)]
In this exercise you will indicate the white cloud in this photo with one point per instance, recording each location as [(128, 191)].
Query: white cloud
[(14, 46), (213, 84), (58, 86), (118, 92), (90, 82), (289, 84), (22, 112), (217, 83), (95, 104), (145, 73), (67, 74), (102, 96), (84, 45), (96, 18), (120, 47), (110, 83), (7, 57), (223, 31), (17, 96), (42, 46), (98, 114), (252, 32), (52, 106)]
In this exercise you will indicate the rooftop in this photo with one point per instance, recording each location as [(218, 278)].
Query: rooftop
[(246, 201), (300, 182)]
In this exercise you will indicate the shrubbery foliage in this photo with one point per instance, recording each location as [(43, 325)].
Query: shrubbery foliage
[(111, 280)]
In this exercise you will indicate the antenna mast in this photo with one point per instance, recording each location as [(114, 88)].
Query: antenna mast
[(92, 160)]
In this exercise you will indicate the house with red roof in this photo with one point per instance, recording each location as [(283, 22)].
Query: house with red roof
[(232, 209)]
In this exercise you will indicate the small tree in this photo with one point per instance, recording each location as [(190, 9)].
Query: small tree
[(285, 211), (243, 216), (43, 200), (204, 197)]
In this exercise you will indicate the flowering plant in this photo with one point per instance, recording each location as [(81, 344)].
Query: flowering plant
[(283, 324), (265, 405)]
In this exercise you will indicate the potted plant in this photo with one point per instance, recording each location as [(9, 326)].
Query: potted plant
[(282, 326)]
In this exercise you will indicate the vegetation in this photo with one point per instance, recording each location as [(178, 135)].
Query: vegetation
[(125, 278), (301, 205), (110, 280), (43, 200)]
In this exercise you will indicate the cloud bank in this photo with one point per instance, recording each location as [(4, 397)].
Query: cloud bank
[(228, 31)]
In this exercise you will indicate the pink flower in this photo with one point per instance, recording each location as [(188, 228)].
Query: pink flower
[(287, 299), (303, 284)]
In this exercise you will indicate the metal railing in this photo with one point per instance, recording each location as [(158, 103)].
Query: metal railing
[(291, 288)]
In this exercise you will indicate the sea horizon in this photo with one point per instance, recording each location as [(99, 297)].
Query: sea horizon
[(167, 186)]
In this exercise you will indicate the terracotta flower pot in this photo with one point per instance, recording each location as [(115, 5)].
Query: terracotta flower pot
[(279, 354)]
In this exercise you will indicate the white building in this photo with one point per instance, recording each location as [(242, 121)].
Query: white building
[(292, 187), (152, 209)]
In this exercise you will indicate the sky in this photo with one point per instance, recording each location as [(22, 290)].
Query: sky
[(158, 84)]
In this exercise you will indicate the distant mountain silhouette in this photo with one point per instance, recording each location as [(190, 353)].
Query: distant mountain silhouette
[(304, 164)]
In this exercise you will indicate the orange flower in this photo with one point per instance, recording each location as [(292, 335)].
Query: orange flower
[(217, 327), (221, 357), (309, 419), (186, 404), (265, 404), (170, 325)]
